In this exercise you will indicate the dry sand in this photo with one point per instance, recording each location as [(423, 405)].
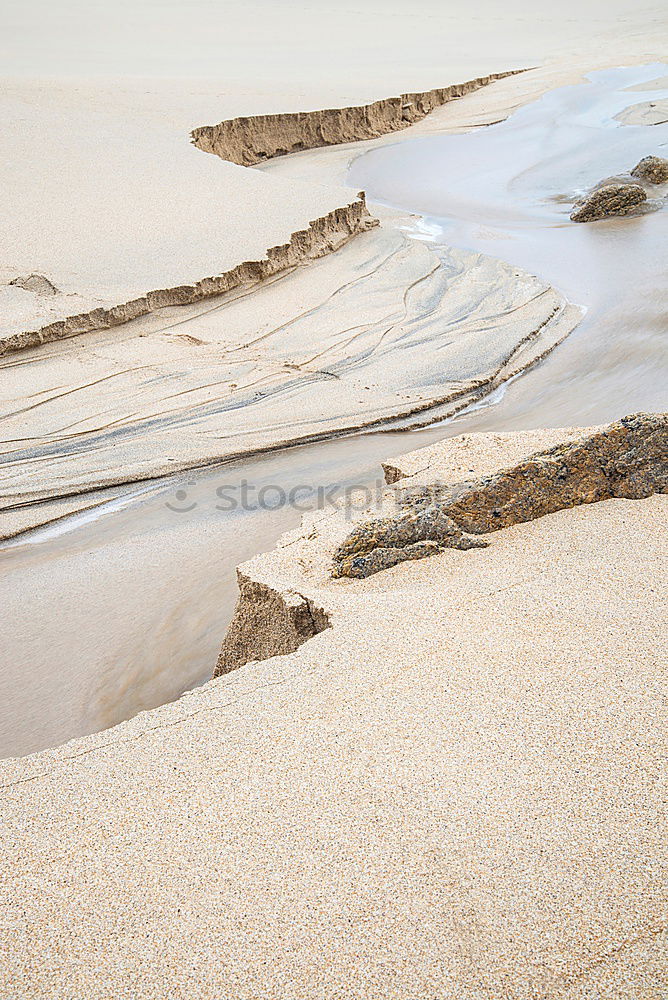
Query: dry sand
[(454, 791)]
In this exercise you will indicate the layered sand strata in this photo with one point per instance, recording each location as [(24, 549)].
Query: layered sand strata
[(383, 333), (251, 140)]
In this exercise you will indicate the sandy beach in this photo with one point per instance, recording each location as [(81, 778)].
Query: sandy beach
[(452, 788), (330, 250), (145, 385)]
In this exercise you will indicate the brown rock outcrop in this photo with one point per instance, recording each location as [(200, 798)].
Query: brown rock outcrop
[(628, 459), (413, 534), (609, 200)]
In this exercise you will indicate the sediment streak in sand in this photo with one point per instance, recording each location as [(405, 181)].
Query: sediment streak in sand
[(384, 333)]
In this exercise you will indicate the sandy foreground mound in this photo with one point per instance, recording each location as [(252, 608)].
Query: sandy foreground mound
[(451, 790)]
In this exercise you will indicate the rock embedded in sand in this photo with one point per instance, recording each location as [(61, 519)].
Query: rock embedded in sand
[(413, 534), (609, 200), (627, 459), (653, 169)]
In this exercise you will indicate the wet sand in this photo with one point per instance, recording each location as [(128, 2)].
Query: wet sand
[(382, 331), (113, 641), (507, 191)]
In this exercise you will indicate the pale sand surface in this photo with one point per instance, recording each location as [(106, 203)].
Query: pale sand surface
[(307, 355), (102, 192), (384, 328), (471, 456), (107, 199), (455, 791), (646, 113)]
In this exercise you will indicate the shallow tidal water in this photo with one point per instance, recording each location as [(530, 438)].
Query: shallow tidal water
[(123, 609), (507, 190)]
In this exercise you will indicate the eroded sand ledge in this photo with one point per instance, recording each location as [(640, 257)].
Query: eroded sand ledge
[(628, 459), (431, 513), (473, 743), (250, 140), (323, 236), (242, 141), (382, 333)]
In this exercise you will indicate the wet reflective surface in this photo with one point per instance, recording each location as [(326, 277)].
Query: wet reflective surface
[(507, 190), (124, 608)]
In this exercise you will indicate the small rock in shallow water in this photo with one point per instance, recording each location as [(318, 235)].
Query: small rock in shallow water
[(609, 200), (653, 169)]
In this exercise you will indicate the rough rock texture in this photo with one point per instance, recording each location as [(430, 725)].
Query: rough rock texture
[(267, 623), (323, 236), (250, 140), (653, 169), (628, 459), (609, 200), (413, 534)]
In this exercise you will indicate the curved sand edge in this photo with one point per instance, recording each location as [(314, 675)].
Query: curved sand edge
[(486, 483), (254, 139), (323, 235), (26, 307), (300, 379)]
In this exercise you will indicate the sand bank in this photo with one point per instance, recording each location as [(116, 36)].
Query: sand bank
[(248, 141), (454, 789), (151, 221), (450, 790), (385, 331), (31, 298)]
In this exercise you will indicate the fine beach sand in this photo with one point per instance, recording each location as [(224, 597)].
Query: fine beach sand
[(139, 219), (451, 791), (455, 789)]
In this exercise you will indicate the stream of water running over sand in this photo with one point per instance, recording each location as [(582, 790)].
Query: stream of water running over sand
[(123, 610)]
